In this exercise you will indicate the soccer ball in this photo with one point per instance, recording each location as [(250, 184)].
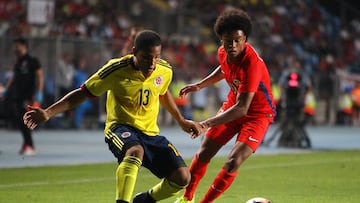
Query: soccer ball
[(258, 200)]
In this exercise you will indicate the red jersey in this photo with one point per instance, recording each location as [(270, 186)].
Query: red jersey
[(248, 74)]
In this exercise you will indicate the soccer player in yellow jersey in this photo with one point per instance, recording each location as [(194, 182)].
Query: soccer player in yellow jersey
[(135, 86)]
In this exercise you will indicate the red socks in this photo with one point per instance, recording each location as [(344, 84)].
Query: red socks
[(222, 182), (197, 170)]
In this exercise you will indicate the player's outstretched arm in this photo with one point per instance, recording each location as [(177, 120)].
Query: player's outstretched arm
[(36, 115)]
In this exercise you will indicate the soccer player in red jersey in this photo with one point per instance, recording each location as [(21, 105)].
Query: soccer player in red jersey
[(247, 113)]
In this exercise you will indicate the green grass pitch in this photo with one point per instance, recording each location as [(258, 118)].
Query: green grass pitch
[(310, 177)]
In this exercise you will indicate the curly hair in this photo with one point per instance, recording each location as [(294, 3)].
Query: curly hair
[(231, 20)]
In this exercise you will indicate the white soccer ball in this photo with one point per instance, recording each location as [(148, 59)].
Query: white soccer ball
[(258, 200)]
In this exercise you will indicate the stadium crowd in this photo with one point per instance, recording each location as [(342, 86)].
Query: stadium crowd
[(287, 30)]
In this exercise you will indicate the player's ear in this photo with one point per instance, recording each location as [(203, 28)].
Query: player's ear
[(134, 50)]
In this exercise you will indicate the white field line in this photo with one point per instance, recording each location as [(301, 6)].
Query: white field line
[(304, 163), (274, 165), (291, 164), (65, 182)]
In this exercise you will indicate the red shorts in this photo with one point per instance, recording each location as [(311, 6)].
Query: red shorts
[(249, 129)]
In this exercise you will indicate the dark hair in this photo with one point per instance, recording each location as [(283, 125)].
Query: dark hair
[(146, 39), (21, 40), (231, 20)]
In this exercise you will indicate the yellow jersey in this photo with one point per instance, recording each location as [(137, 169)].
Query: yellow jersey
[(131, 99)]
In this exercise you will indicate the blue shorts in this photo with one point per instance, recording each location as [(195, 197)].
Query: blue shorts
[(160, 155)]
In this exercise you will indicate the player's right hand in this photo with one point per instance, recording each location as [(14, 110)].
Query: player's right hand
[(187, 89), (35, 116), (191, 127)]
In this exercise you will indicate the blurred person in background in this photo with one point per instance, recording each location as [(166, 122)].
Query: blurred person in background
[(345, 108), (293, 85), (222, 90), (4, 78), (199, 101), (81, 75), (183, 103), (247, 112), (24, 88), (309, 108), (297, 106), (65, 74), (3, 119), (301, 83), (355, 97), (64, 82), (135, 86), (326, 84), (130, 40)]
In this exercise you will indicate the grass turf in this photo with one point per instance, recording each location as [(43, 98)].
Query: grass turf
[(312, 177)]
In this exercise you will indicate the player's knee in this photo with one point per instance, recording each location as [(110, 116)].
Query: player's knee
[(233, 164), (181, 177), (186, 178)]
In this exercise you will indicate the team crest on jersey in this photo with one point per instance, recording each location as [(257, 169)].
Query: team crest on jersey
[(158, 80), (236, 82), (235, 85), (125, 134)]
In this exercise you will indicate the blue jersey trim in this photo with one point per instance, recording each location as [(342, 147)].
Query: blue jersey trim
[(267, 96)]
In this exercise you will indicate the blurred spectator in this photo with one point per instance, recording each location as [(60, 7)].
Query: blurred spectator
[(355, 96), (65, 71), (6, 75), (3, 117), (81, 76), (64, 82), (222, 90), (199, 104), (127, 48), (293, 77), (136, 10), (327, 85), (309, 106), (345, 108), (293, 85), (182, 102), (24, 88)]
